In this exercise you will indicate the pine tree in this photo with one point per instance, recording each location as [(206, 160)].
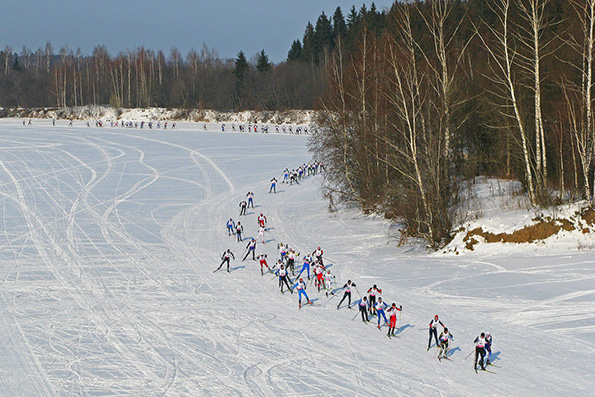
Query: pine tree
[(241, 68), (339, 26), (323, 39), (308, 50), (295, 53), (262, 64)]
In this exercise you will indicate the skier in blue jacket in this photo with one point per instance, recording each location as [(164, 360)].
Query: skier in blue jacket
[(301, 288)]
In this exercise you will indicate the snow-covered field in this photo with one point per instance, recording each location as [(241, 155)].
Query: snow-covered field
[(110, 239)]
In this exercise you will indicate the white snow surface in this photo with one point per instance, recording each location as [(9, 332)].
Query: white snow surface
[(111, 236)]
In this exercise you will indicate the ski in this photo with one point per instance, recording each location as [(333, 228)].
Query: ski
[(488, 371), (496, 366)]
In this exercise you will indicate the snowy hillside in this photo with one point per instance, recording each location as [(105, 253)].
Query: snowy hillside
[(498, 218), (110, 240)]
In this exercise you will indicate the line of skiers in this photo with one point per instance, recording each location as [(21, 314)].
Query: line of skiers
[(313, 269), (264, 128)]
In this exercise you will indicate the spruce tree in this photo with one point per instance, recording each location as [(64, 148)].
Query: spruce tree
[(295, 52), (308, 49), (241, 68), (323, 38), (339, 26), (262, 64)]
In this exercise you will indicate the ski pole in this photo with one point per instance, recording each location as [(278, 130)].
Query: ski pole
[(360, 295), (355, 316), (469, 354)]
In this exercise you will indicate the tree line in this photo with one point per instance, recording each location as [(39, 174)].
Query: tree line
[(144, 78), (440, 91)]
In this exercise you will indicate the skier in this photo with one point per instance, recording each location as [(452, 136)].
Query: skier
[(306, 266), (231, 226), (281, 250), (392, 311), (250, 196), (301, 288), (291, 261), (283, 278), (243, 206), (372, 292), (319, 271), (293, 178), (380, 306), (363, 308), (347, 294), (225, 258), (488, 347), (480, 343), (318, 255), (239, 231), (261, 220), (273, 185), (328, 282), (285, 175), (251, 248), (445, 338), (262, 258), (261, 234), (433, 325)]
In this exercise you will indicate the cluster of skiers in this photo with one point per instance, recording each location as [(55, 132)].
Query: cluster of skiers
[(262, 128), (312, 270), (121, 124)]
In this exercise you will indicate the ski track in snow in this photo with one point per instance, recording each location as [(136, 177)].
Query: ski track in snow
[(109, 242)]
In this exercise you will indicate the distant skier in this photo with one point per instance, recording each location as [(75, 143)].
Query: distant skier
[(488, 347), (239, 231), (372, 292), (392, 312), (282, 250), (262, 258), (380, 306), (301, 289), (261, 234), (328, 282), (306, 265), (480, 352), (318, 255), (283, 278), (444, 338), (293, 178), (225, 259), (291, 261), (273, 185), (319, 272), (347, 287), (285, 175), (262, 220), (363, 308), (251, 248), (250, 196), (231, 226), (433, 325), (243, 206)]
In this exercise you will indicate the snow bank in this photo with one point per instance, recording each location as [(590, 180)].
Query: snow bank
[(496, 216), (148, 114)]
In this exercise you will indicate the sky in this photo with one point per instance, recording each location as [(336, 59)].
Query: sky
[(228, 26)]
